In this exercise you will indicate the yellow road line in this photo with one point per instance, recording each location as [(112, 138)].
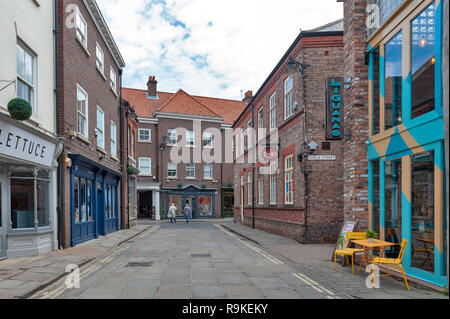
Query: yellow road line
[(317, 284), (308, 283)]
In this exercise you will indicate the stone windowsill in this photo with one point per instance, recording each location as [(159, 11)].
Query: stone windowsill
[(85, 50), (100, 72), (83, 139), (114, 92)]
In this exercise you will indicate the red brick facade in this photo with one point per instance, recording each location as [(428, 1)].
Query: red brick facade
[(316, 214)]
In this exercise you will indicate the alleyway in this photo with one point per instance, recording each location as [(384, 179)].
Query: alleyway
[(207, 260)]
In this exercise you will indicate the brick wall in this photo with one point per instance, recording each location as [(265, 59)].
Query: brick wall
[(356, 113)]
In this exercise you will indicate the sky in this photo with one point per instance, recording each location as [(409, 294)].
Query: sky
[(217, 48)]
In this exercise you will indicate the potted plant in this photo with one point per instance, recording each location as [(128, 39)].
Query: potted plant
[(131, 170), (341, 242), (20, 109), (230, 184), (371, 235), (180, 185), (203, 186)]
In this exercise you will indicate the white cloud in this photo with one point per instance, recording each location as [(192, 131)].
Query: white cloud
[(209, 47)]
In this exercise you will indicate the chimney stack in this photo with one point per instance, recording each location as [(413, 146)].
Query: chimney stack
[(151, 86), (248, 97)]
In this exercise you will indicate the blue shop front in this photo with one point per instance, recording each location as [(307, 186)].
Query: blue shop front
[(94, 200), (200, 200)]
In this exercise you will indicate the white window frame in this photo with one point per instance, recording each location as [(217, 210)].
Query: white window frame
[(261, 190), (85, 116), (249, 188), (99, 60), (272, 111), (273, 184), (288, 97), (289, 179), (112, 79), (190, 138), (207, 171), (171, 132), (21, 79), (140, 140), (145, 170), (190, 167), (113, 139), (260, 121), (100, 131), (79, 17), (209, 136), (172, 167)]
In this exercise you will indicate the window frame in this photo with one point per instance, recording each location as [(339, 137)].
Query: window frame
[(113, 150), (273, 183), (249, 188), (140, 140), (289, 180), (112, 83), (85, 116), (288, 93), (78, 17), (172, 169), (190, 138), (149, 160), (272, 111), (207, 134), (205, 165), (261, 190), (98, 49), (191, 165), (31, 86), (98, 130), (170, 132)]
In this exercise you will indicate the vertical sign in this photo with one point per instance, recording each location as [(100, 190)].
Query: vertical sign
[(334, 109)]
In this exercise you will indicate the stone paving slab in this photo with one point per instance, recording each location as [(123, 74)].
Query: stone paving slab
[(20, 276)]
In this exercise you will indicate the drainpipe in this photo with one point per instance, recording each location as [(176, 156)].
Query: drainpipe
[(253, 166), (121, 116)]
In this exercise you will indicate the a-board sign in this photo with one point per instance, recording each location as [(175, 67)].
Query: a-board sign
[(348, 227)]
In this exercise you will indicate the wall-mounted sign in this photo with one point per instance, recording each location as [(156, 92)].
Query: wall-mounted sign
[(321, 157), (18, 143), (334, 109)]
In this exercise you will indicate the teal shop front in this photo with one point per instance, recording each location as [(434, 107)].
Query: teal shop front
[(200, 200), (94, 200), (406, 138)]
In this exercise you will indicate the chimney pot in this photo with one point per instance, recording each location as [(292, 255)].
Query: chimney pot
[(152, 85), (248, 97)]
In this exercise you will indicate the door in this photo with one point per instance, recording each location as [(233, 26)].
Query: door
[(3, 217), (191, 200)]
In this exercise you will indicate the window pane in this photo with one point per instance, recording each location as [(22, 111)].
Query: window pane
[(22, 203), (393, 201), (90, 212), (393, 82), (20, 61), (83, 199), (43, 207), (376, 198), (422, 211), (205, 205), (76, 200), (178, 201), (422, 62), (376, 92)]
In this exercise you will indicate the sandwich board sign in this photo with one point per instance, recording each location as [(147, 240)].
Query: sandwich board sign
[(348, 227)]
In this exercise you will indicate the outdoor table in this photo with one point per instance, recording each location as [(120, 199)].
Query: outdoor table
[(426, 241), (368, 245)]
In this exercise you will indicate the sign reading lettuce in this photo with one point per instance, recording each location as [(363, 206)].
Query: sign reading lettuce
[(334, 127), (18, 143)]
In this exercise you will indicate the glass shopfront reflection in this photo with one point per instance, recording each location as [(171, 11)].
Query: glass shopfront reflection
[(205, 206), (393, 82), (393, 201), (422, 211), (178, 201)]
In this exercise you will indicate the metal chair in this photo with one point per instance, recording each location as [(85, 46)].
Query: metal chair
[(347, 251)]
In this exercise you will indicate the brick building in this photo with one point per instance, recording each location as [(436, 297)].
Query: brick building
[(194, 125), (92, 124), (298, 194)]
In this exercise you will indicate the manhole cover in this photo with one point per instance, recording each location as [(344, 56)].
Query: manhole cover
[(201, 255), (139, 264)]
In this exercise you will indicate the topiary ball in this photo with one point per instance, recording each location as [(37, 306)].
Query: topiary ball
[(131, 170), (20, 109)]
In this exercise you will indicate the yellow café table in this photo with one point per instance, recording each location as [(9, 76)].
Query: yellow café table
[(368, 245)]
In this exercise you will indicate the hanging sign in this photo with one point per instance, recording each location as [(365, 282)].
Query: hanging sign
[(334, 109), (21, 144)]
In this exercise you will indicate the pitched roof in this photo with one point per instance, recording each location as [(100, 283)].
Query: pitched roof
[(181, 102)]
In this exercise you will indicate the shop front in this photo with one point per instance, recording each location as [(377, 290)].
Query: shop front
[(94, 200), (28, 178), (406, 145), (201, 201)]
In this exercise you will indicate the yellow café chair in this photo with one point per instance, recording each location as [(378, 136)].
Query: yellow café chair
[(347, 251), (393, 261)]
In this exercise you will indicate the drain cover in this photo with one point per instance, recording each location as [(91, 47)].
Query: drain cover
[(139, 264), (201, 255)]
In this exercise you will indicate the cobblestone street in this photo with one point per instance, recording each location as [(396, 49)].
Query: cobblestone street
[(220, 260)]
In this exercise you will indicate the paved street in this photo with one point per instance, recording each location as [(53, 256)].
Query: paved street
[(207, 260)]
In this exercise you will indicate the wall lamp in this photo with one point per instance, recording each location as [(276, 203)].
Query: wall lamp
[(164, 143), (293, 67), (131, 113)]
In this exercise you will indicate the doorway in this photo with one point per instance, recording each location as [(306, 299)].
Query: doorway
[(145, 204), (191, 201)]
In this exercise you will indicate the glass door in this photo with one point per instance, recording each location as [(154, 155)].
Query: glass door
[(3, 217), (191, 201)]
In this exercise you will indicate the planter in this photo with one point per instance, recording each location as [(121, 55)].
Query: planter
[(20, 109), (131, 170)]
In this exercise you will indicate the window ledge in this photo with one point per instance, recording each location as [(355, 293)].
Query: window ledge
[(114, 92), (191, 178), (101, 73), (82, 46), (101, 150), (82, 138), (148, 142), (172, 178), (114, 158)]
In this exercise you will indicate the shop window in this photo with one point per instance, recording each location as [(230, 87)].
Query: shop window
[(83, 210), (90, 212), (393, 203), (376, 199), (376, 92), (393, 82), (422, 211), (76, 201), (423, 62), (30, 196), (205, 206)]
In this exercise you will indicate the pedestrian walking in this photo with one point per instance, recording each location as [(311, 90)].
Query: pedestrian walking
[(173, 213), (187, 212)]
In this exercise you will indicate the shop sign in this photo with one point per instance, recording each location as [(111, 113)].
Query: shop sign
[(334, 111), (18, 143), (321, 157)]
